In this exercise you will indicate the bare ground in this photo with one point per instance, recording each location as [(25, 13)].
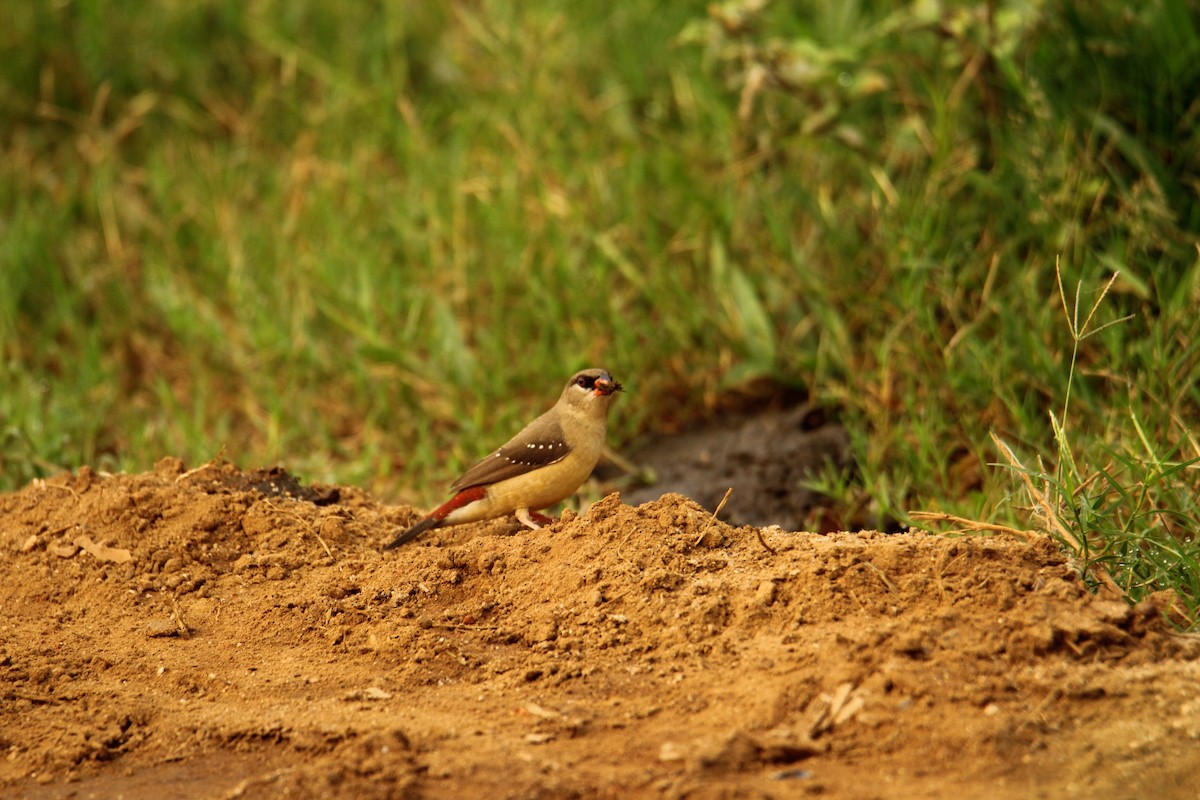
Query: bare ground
[(204, 634)]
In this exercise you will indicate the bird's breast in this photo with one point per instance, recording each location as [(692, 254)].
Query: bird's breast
[(543, 487)]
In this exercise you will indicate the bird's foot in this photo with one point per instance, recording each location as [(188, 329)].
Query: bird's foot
[(532, 519)]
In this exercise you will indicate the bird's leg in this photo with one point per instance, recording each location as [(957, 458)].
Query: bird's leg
[(532, 519)]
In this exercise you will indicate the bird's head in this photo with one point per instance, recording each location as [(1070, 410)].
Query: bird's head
[(591, 389)]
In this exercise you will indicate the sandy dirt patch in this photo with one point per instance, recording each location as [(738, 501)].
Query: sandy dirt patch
[(218, 633)]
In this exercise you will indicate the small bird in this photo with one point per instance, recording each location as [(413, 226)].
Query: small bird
[(543, 464)]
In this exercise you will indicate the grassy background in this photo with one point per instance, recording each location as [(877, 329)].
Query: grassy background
[(367, 243)]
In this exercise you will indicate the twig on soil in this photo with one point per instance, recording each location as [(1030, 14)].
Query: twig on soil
[(943, 566), (887, 582), (44, 485), (713, 519), (328, 552), (763, 542), (968, 524), (462, 626), (212, 462), (311, 528), (620, 554)]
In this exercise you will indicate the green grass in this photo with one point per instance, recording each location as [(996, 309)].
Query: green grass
[(368, 243), (1127, 512)]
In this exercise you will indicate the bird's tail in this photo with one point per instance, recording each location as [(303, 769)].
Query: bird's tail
[(432, 521), (439, 514)]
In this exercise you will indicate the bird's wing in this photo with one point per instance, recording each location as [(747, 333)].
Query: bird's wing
[(540, 444)]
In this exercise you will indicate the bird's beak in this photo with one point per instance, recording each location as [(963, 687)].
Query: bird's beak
[(606, 386)]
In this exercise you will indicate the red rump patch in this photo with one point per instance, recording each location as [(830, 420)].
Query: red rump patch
[(465, 497)]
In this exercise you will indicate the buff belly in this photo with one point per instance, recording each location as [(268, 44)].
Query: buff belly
[(533, 490)]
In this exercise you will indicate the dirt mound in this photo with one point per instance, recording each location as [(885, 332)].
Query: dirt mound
[(218, 633)]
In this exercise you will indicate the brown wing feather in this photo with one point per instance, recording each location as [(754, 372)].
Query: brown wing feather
[(540, 444)]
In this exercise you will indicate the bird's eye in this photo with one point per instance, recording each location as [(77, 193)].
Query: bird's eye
[(586, 381)]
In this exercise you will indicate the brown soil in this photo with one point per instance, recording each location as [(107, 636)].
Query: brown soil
[(209, 634)]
